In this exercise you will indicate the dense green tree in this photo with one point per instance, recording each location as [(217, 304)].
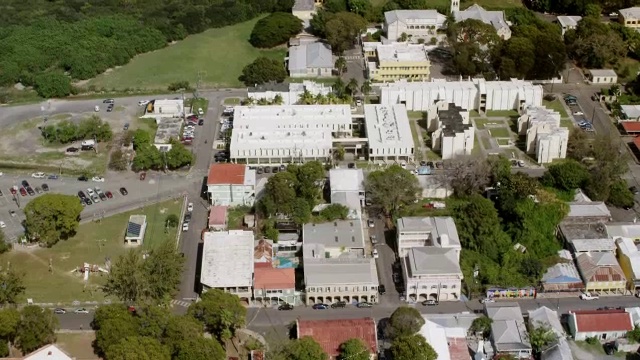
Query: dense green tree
[(341, 65), (310, 176), (220, 312), (54, 84), (404, 321), (9, 321), (620, 195), (94, 128), (412, 347), (403, 192), (342, 30), (140, 139), (335, 6), (4, 245), (280, 193), (199, 349), (541, 336), (37, 328), (163, 270), (108, 312), (481, 324), (114, 330), (568, 175), (180, 328), (274, 30), (334, 212), (354, 349), (51, 218), (127, 280), (138, 348), (305, 348), (179, 156), (301, 211), (148, 157), (263, 70), (360, 7), (603, 48), (474, 46), (118, 160), (12, 286)]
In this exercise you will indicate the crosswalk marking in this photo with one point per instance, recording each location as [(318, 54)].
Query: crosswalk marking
[(357, 57), (180, 303)]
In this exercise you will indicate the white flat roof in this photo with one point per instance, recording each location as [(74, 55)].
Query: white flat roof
[(402, 52), (436, 335), (289, 116), (625, 230), (346, 180), (387, 126), (340, 271), (227, 259), (294, 140), (434, 84), (632, 111), (569, 21), (632, 12)]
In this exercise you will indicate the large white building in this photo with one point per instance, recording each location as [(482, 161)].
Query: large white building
[(417, 24), (429, 249), (227, 262), (287, 133), (289, 93), (454, 134), (493, 18), (388, 132), (475, 94), (544, 136), (351, 280)]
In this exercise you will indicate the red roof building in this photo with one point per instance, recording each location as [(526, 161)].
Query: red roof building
[(273, 286), (330, 334), (231, 185), (602, 324), (631, 127), (224, 174), (218, 218)]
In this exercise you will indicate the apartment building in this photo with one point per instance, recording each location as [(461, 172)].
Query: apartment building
[(388, 132), (329, 280), (396, 61), (544, 136), (454, 134)]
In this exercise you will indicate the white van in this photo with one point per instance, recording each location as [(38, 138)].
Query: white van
[(97, 108), (88, 143)]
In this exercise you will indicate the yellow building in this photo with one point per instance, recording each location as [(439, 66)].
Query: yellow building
[(397, 61), (630, 17), (601, 273)]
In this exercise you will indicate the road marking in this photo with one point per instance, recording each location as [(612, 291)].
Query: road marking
[(180, 303)]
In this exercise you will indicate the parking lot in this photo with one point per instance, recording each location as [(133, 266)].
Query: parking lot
[(578, 114)]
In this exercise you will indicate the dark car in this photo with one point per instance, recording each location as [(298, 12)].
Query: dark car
[(72, 149), (267, 170), (423, 163), (87, 201), (23, 192), (259, 170), (187, 218), (52, 177), (363, 305), (634, 190), (81, 195), (126, 126), (339, 305), (108, 101), (30, 191), (351, 165), (38, 190), (25, 183), (381, 289), (200, 122), (45, 187), (143, 176), (320, 306), (123, 191), (109, 194), (110, 108), (102, 196), (275, 169), (285, 307), (83, 178)]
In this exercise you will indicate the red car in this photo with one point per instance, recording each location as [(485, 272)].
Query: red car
[(143, 175), (14, 190), (109, 194), (23, 191)]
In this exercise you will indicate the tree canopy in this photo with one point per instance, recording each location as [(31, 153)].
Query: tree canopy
[(412, 347), (52, 217), (36, 328), (220, 312), (403, 192), (305, 348), (274, 30), (138, 348), (404, 321), (263, 70), (12, 286), (67, 131), (354, 349)]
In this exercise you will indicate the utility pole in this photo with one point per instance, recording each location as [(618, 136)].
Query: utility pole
[(201, 74)]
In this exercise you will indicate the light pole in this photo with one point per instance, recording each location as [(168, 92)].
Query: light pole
[(554, 70)]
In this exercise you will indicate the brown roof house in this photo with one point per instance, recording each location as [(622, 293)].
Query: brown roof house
[(601, 273), (602, 324), (272, 286), (330, 334)]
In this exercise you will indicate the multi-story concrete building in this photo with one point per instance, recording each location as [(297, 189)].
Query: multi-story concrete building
[(416, 24), (568, 22), (493, 18), (399, 61), (454, 134), (545, 138), (388, 132), (347, 188), (290, 94), (227, 262), (337, 239), (287, 133), (426, 231), (351, 280), (473, 94), (231, 185), (630, 17)]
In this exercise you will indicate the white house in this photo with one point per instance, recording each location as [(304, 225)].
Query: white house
[(454, 134), (602, 76), (426, 231), (48, 352), (289, 93), (432, 272), (604, 325), (351, 280), (310, 59), (545, 137), (227, 262), (568, 22), (231, 184), (287, 133), (167, 108), (347, 188), (473, 94), (417, 24), (493, 18), (388, 132)]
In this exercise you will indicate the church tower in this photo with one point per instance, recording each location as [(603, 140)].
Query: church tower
[(455, 6)]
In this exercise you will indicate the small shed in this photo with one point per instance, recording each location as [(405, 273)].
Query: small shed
[(136, 228), (218, 218), (602, 76)]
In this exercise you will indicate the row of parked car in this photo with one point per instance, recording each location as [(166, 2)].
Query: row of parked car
[(96, 195), (26, 189), (572, 102)]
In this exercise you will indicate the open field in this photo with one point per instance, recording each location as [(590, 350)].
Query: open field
[(489, 4), (217, 54), (501, 113), (557, 106), (94, 243), (77, 345), (482, 123), (500, 132)]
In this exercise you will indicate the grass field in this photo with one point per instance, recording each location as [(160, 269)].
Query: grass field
[(501, 113), (217, 54), (482, 123), (501, 132), (557, 106), (77, 345), (94, 243)]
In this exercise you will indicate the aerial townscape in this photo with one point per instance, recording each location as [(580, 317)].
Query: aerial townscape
[(319, 180)]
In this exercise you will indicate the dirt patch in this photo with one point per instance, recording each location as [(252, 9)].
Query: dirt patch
[(77, 345)]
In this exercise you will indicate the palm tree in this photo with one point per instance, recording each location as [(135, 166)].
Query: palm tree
[(332, 98), (320, 99), (353, 86), (249, 101), (338, 88), (277, 100), (341, 65), (263, 101), (366, 88), (306, 98)]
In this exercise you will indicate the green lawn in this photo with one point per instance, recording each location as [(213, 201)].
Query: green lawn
[(503, 142), (78, 345), (501, 113), (482, 123), (232, 101), (416, 141), (500, 132), (568, 123), (235, 217), (557, 106), (217, 54), (417, 115), (94, 243), (196, 103)]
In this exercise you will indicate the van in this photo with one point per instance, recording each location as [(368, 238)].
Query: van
[(88, 143)]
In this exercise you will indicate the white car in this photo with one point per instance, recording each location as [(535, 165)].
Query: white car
[(371, 223), (38, 175), (404, 165), (578, 113), (97, 108), (90, 192), (588, 296), (200, 112), (190, 207), (374, 239), (185, 227), (2, 225), (97, 179), (375, 253), (81, 311), (487, 300), (143, 102)]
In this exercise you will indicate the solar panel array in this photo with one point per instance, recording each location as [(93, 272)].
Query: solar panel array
[(133, 229)]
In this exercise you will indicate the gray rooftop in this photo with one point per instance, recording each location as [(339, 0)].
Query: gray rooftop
[(558, 351), (346, 180), (508, 329), (564, 272), (168, 128), (504, 311), (340, 271), (412, 15), (304, 5), (452, 121), (588, 209), (438, 226), (475, 11), (583, 231), (348, 199), (430, 260), (312, 55), (341, 233), (603, 72), (569, 21), (543, 316)]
